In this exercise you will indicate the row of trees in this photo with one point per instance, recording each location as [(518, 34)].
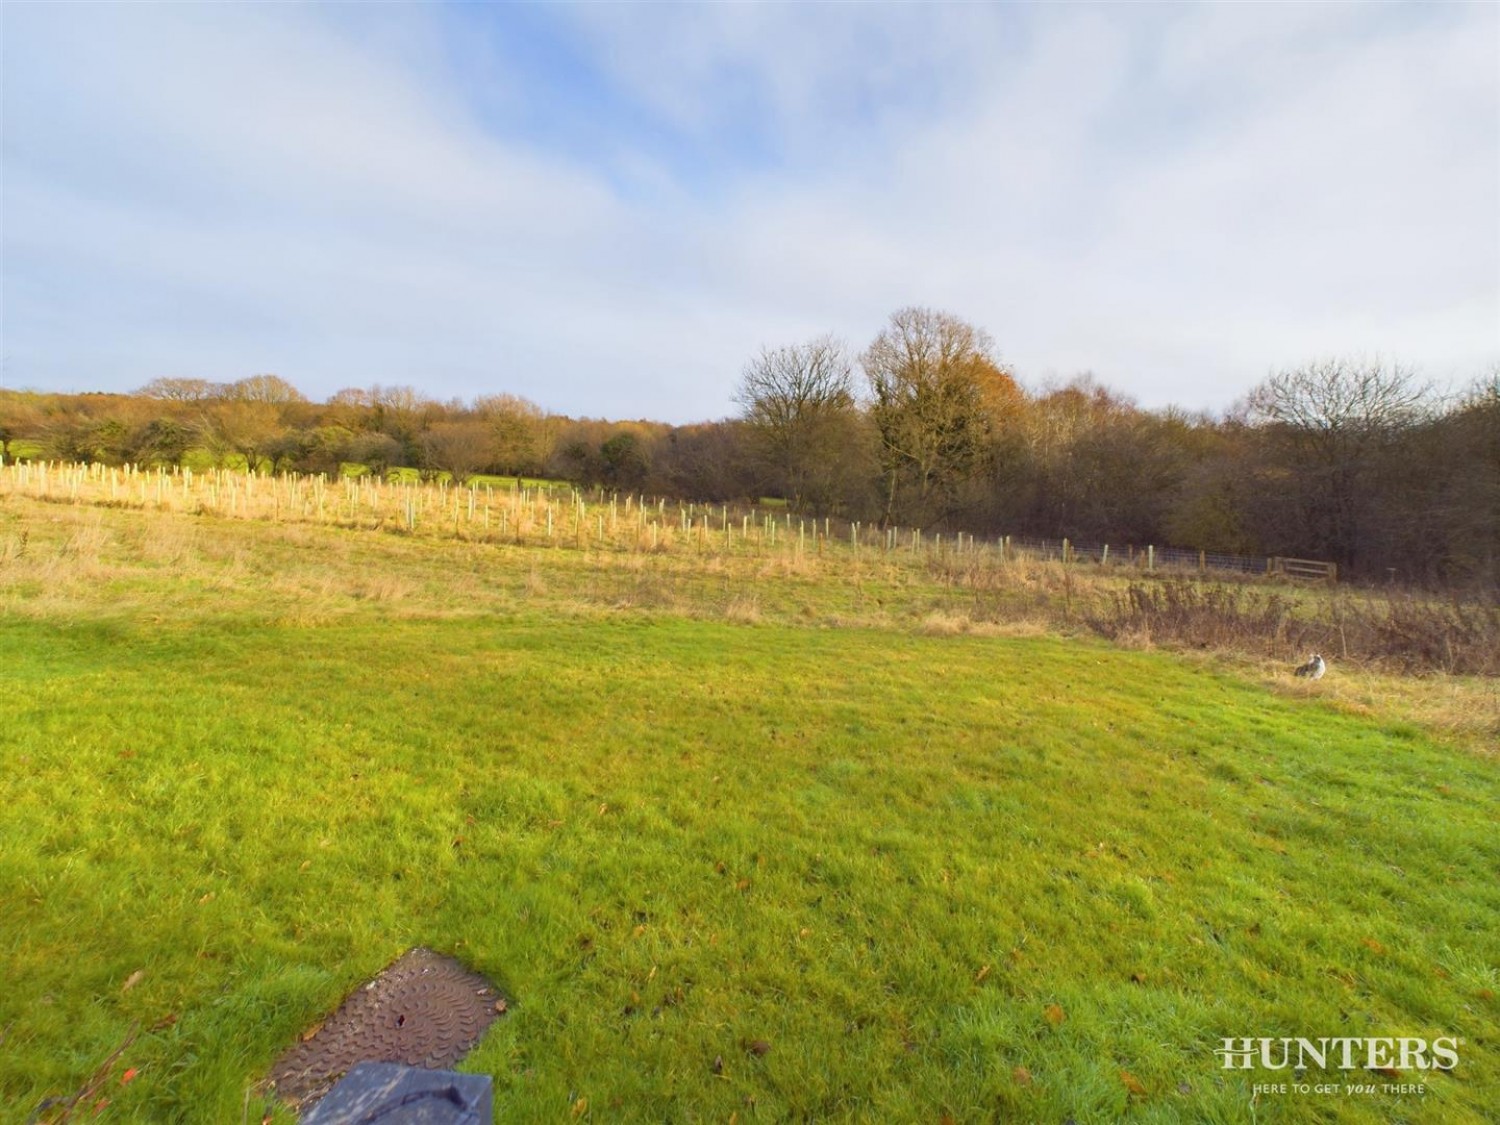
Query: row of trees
[(1356, 462), (1351, 461)]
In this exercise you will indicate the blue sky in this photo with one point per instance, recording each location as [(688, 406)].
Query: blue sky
[(610, 208)]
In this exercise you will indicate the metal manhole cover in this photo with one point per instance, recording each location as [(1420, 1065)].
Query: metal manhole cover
[(424, 1010)]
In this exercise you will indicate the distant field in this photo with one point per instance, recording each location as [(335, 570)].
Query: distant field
[(677, 806)]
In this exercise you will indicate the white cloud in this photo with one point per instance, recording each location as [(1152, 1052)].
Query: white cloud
[(1177, 199)]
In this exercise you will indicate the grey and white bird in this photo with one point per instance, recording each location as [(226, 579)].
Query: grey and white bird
[(1314, 668)]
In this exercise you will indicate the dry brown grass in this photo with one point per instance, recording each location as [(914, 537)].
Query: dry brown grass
[(945, 623), (743, 609), (1392, 631), (1462, 711)]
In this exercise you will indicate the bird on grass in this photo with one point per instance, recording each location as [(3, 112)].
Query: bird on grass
[(1314, 668)]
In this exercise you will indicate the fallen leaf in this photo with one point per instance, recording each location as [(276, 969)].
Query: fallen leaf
[(604, 808), (100, 1104), (1372, 945), (759, 1048), (306, 863), (500, 1006), (1021, 1076), (165, 1022), (1055, 1015), (1137, 978), (639, 930), (983, 972), (580, 1107), (718, 1067), (313, 1030), (1132, 1083), (742, 885), (719, 867), (133, 979), (129, 1076)]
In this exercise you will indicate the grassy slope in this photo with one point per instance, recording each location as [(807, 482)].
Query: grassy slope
[(885, 855)]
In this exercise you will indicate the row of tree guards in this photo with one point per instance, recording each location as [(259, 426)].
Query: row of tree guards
[(547, 514)]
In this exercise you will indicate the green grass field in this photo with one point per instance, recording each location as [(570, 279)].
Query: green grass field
[(961, 877)]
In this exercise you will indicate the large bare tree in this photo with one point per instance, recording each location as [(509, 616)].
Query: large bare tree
[(271, 389), (172, 389), (1332, 427), (799, 410)]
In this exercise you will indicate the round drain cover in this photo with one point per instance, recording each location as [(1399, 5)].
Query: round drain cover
[(425, 1010)]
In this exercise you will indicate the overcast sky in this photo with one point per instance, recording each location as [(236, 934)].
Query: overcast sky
[(610, 208)]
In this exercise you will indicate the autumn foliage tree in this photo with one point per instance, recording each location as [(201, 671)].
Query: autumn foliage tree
[(522, 434), (1352, 461), (935, 391)]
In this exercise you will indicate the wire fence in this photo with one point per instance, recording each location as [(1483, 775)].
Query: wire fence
[(560, 515), (1152, 557)]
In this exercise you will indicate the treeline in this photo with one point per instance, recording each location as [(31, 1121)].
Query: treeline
[(1350, 461)]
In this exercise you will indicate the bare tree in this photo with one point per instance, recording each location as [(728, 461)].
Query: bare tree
[(179, 390), (459, 448), (705, 461), (799, 407), (403, 412), (1329, 425), (1095, 467), (1460, 525), (272, 389), (1341, 403)]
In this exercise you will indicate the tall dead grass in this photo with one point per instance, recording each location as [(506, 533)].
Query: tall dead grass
[(1398, 631)]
